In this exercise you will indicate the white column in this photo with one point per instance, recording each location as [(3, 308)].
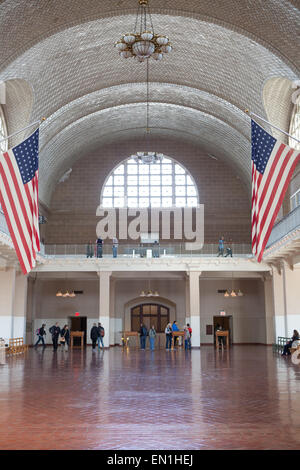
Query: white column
[(20, 306), (269, 311), (279, 304), (7, 300), (195, 307), (291, 285), (104, 304)]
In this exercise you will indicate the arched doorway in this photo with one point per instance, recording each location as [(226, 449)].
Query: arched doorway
[(150, 314)]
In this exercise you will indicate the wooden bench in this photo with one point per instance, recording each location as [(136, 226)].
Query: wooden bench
[(281, 342), (16, 346)]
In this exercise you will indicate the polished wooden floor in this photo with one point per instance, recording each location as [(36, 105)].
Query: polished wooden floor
[(246, 398)]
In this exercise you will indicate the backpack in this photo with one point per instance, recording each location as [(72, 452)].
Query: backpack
[(102, 333)]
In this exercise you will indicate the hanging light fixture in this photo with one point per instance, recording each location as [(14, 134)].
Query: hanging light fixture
[(67, 294), (232, 293), (143, 42), (147, 157), (149, 293)]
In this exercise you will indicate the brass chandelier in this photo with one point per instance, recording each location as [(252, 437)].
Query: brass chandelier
[(143, 42)]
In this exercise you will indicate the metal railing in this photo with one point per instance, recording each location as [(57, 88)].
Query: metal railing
[(138, 251), (286, 225)]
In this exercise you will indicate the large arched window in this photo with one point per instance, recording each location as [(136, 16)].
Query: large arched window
[(163, 184)]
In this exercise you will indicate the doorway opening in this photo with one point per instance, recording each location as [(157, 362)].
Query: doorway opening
[(78, 324), (226, 323)]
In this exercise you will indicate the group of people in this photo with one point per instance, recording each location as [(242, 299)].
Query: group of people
[(55, 332), (222, 247), (169, 330), (96, 249), (97, 335)]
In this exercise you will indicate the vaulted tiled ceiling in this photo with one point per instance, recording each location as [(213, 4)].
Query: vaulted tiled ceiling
[(224, 53)]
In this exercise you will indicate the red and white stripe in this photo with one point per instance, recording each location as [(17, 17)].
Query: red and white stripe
[(20, 205), (268, 191)]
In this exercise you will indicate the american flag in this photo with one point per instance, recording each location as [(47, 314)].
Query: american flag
[(19, 198), (273, 164)]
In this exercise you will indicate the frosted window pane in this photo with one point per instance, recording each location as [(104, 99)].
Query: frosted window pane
[(144, 169), (191, 191), (167, 180), (155, 169), (132, 169), (132, 202), (119, 170), (144, 202), (166, 169), (189, 180), (155, 190), (118, 191), (166, 190), (132, 180), (107, 202), (119, 180), (132, 191), (192, 201), (180, 201), (166, 160), (180, 191), (143, 179), (119, 202), (109, 182), (108, 191), (144, 190), (155, 201), (154, 179), (167, 202), (179, 170), (179, 179)]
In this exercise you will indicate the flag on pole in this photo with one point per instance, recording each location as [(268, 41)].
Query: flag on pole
[(273, 164), (19, 198)]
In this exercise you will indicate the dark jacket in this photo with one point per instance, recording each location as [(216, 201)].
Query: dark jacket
[(143, 331), (100, 329), (54, 330), (94, 332), (66, 334), (42, 331)]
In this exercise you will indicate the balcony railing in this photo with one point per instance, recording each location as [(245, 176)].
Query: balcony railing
[(137, 251), (286, 225)]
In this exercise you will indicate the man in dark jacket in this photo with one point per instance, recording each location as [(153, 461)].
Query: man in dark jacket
[(101, 333), (41, 332), (143, 336), (94, 335), (55, 330)]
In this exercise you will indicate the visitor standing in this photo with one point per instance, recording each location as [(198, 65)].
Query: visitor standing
[(89, 250), (65, 337), (187, 337), (175, 328), (152, 336), (115, 247), (99, 244), (221, 247), (94, 335), (168, 332), (143, 336), (55, 330), (101, 334)]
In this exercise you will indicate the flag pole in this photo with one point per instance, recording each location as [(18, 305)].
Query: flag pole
[(272, 125), (24, 129)]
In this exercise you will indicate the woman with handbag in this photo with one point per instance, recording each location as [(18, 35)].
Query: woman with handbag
[(65, 337)]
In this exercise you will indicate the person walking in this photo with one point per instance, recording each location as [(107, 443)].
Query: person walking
[(152, 336), (65, 337), (94, 335), (168, 332), (41, 333), (174, 328), (143, 336), (101, 334), (55, 330), (221, 247), (115, 247)]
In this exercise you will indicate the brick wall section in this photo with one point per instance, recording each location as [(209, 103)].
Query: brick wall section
[(72, 216)]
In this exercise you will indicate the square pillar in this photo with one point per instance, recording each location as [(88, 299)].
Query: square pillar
[(7, 302), (20, 306), (269, 311), (195, 307), (104, 304)]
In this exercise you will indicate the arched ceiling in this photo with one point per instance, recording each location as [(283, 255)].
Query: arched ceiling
[(224, 53)]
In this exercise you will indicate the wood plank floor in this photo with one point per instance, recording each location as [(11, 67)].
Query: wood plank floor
[(246, 398)]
